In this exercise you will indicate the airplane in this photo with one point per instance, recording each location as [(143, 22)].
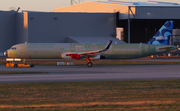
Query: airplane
[(156, 45)]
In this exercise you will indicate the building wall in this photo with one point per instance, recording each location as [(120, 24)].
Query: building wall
[(157, 12), (21, 30), (45, 27), (7, 29)]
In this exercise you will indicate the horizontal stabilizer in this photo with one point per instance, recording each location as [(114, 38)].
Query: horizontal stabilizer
[(168, 47)]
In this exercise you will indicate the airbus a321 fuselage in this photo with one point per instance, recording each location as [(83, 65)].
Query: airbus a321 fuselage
[(75, 51), (92, 51)]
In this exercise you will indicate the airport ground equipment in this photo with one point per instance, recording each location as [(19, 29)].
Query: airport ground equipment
[(11, 63)]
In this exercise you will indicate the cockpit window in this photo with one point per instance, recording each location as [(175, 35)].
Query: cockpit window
[(13, 48)]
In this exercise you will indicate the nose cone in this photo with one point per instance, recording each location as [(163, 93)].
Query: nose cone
[(5, 54)]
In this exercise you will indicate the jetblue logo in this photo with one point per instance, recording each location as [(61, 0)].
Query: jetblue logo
[(160, 38)]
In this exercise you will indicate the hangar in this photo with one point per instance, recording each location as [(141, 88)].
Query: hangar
[(89, 22), (140, 20), (56, 27)]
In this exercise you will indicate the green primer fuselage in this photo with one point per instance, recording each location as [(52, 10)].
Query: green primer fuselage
[(59, 50)]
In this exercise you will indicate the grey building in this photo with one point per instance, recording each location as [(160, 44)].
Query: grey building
[(56, 27), (7, 29)]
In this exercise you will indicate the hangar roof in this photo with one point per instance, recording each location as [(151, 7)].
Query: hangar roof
[(148, 3), (138, 10), (111, 6), (94, 7)]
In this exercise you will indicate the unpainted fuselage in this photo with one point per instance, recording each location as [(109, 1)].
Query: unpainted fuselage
[(59, 50)]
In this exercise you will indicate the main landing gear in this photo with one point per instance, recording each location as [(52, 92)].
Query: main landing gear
[(89, 64)]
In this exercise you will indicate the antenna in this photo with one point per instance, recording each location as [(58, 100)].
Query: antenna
[(75, 1), (18, 9)]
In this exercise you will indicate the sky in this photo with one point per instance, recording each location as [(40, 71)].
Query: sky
[(49, 5)]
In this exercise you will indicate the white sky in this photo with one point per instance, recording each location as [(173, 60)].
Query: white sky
[(49, 5)]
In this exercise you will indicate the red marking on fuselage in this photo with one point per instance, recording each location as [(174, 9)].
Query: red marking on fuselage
[(73, 56)]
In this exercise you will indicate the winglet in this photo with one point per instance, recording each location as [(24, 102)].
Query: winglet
[(107, 47)]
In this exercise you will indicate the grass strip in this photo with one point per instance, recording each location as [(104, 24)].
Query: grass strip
[(107, 95)]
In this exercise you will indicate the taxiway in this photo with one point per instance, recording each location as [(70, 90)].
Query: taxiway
[(96, 73)]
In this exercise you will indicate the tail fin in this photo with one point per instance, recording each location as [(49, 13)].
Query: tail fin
[(162, 37)]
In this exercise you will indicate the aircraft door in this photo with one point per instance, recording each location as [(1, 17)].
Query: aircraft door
[(141, 50), (23, 48), (146, 49)]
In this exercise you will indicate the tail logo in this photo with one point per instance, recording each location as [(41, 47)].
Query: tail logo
[(162, 37)]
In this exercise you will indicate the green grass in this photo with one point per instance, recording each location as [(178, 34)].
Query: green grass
[(109, 95)]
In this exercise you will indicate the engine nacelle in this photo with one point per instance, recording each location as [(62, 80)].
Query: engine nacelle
[(65, 57), (98, 57), (70, 56)]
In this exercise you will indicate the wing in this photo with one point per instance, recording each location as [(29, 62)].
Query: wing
[(97, 51), (91, 53)]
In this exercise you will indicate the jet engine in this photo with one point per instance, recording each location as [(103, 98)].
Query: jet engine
[(65, 57), (98, 57)]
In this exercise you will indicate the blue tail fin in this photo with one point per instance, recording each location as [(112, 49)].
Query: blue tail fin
[(162, 37)]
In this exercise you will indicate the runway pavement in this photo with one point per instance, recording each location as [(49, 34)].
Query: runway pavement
[(95, 73)]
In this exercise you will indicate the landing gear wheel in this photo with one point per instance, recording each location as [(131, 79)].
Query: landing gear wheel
[(15, 65), (89, 64)]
